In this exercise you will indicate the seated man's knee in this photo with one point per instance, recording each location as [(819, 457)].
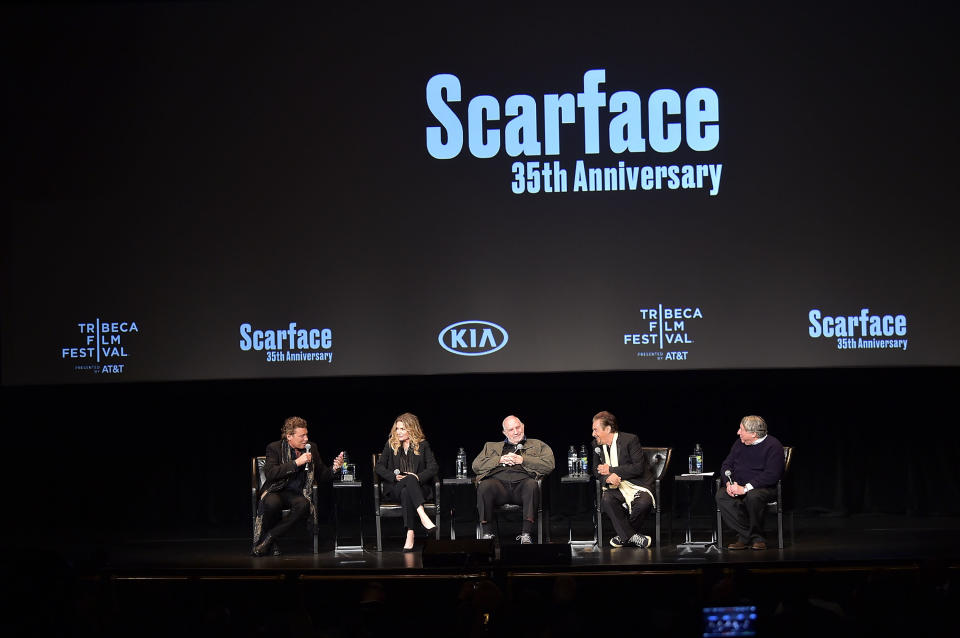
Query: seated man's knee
[(609, 499), (754, 495), (641, 505), (755, 498), (272, 503), (486, 486), (299, 506)]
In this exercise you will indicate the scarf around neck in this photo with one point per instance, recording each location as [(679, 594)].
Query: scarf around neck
[(628, 489), (286, 455)]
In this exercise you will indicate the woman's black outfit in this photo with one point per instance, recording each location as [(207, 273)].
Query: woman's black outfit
[(410, 493)]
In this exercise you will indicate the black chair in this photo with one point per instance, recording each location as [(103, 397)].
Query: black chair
[(395, 510), (659, 459), (772, 506), (511, 507), (258, 478)]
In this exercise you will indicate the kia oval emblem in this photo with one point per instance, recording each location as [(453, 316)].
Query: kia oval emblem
[(473, 338)]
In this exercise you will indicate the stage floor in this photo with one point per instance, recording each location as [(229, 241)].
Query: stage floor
[(853, 542), (863, 576)]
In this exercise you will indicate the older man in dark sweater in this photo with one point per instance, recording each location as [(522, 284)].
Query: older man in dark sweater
[(755, 464)]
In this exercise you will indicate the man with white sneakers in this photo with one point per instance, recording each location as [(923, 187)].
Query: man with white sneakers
[(627, 480)]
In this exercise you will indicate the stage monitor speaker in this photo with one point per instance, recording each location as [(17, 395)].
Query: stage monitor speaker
[(547, 554), (465, 552)]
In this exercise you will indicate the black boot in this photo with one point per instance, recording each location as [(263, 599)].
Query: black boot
[(261, 548), (276, 548)]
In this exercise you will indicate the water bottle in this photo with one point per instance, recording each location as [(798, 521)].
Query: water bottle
[(698, 452), (461, 463), (343, 467), (572, 462), (584, 464)]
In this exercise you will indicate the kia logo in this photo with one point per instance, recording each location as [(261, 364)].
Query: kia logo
[(473, 338)]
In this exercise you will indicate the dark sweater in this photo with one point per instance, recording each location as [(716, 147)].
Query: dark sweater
[(760, 465)]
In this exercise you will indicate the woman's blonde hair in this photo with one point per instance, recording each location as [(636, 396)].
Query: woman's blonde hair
[(412, 423)]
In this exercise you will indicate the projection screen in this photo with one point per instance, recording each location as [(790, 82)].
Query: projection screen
[(206, 191)]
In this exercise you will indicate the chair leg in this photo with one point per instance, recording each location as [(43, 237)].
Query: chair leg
[(379, 537), (719, 530), (658, 528), (596, 529), (599, 513), (780, 527)]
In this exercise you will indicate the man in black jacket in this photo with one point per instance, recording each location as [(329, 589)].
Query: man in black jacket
[(627, 480), (291, 469)]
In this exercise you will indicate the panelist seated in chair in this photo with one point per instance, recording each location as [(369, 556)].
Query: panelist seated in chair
[(627, 480), (291, 468), (755, 464), (406, 466), (507, 472)]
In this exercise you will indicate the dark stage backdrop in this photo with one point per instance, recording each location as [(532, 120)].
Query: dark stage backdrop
[(204, 191), (217, 216), (129, 460)]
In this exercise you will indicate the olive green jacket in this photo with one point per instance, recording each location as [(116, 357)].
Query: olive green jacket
[(537, 458)]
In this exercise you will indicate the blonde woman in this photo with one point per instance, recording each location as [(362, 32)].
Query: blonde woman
[(406, 467)]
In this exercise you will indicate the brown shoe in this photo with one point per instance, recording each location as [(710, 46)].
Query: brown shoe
[(737, 545), (759, 545)]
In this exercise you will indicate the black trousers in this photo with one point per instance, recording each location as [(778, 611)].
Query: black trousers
[(492, 492), (273, 506), (745, 513), (612, 503), (409, 493)]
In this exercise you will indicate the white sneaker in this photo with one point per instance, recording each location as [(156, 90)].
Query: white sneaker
[(525, 539), (639, 540)]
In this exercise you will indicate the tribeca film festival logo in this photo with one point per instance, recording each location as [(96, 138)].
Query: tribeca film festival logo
[(103, 346), (473, 338), (667, 330), (291, 344), (865, 331)]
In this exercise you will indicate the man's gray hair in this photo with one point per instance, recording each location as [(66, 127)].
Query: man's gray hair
[(755, 424)]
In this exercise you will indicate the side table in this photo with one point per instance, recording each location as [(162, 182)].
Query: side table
[(455, 484), (341, 489), (583, 480), (691, 482)]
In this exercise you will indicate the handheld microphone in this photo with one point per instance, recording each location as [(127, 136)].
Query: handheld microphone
[(308, 450), (598, 451), (729, 479), (396, 473), (519, 448)]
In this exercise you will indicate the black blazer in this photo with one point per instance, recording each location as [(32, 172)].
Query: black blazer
[(633, 464), (275, 470), (424, 465)]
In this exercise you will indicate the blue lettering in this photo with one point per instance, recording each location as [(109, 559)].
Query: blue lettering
[(703, 113), (436, 87)]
